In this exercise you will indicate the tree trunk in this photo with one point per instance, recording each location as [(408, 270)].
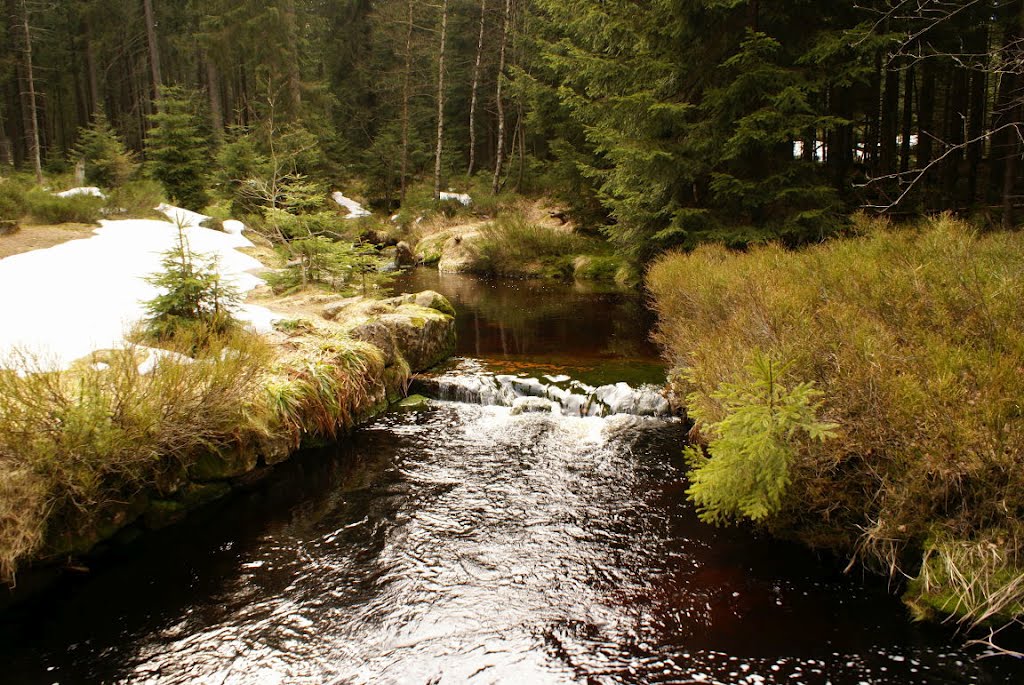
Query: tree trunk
[(95, 103), (500, 153), (154, 48), (1010, 175), (440, 101), (292, 53), (30, 83), (406, 75), (473, 90), (925, 128), (889, 117), (216, 104), (1004, 137)]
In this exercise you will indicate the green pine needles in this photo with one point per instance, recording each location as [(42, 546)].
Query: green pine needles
[(747, 472), (194, 299)]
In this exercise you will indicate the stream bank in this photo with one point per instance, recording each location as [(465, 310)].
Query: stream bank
[(324, 374)]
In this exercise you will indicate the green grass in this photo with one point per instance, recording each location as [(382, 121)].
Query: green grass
[(916, 340)]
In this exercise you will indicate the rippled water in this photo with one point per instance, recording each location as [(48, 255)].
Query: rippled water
[(466, 543)]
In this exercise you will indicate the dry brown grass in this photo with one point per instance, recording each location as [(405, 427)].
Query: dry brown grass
[(916, 338)]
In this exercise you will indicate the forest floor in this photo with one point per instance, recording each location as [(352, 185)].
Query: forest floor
[(41, 237)]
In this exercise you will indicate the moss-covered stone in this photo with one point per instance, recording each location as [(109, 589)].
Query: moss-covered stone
[(228, 462), (413, 403)]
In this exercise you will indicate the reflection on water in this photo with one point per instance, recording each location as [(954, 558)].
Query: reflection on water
[(466, 543), (596, 335)]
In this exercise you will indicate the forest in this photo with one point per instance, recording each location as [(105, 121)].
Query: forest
[(661, 124), (858, 394)]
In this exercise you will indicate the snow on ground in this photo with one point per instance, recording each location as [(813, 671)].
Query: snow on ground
[(63, 302), (355, 210), (89, 190), (464, 198)]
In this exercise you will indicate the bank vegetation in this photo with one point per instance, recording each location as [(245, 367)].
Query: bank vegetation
[(884, 375)]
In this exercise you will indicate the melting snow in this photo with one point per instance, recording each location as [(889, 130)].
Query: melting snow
[(88, 190), (64, 302), (458, 197), (355, 210)]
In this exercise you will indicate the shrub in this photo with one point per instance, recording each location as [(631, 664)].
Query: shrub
[(46, 208), (916, 340), (511, 244), (136, 199), (75, 444), (13, 205)]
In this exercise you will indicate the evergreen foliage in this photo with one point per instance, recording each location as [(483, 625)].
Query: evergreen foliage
[(177, 151), (108, 163), (752, 446), (194, 298)]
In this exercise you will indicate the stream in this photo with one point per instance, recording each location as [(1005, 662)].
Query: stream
[(531, 526)]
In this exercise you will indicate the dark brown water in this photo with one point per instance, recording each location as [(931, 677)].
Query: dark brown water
[(465, 544)]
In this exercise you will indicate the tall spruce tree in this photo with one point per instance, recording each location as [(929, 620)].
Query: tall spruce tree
[(177, 151)]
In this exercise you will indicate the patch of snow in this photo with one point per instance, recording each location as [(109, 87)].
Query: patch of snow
[(393, 218), (355, 210), (464, 198), (155, 355), (84, 295), (233, 226), (85, 190)]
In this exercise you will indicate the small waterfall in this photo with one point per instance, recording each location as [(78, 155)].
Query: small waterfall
[(548, 394)]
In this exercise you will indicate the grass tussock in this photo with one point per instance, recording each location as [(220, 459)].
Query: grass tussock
[(915, 340), (80, 447), (74, 442), (322, 387), (511, 246)]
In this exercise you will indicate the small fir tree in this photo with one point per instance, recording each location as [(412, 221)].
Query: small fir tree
[(194, 299), (108, 163), (752, 446), (177, 151)]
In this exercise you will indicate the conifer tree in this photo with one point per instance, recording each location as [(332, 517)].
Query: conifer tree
[(177, 152), (108, 163)]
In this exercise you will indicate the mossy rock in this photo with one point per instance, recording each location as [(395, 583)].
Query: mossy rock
[(597, 268), (229, 462), (164, 512), (430, 249), (413, 403)]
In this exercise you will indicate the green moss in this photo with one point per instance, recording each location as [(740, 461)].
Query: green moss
[(597, 267), (225, 463), (413, 403)]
